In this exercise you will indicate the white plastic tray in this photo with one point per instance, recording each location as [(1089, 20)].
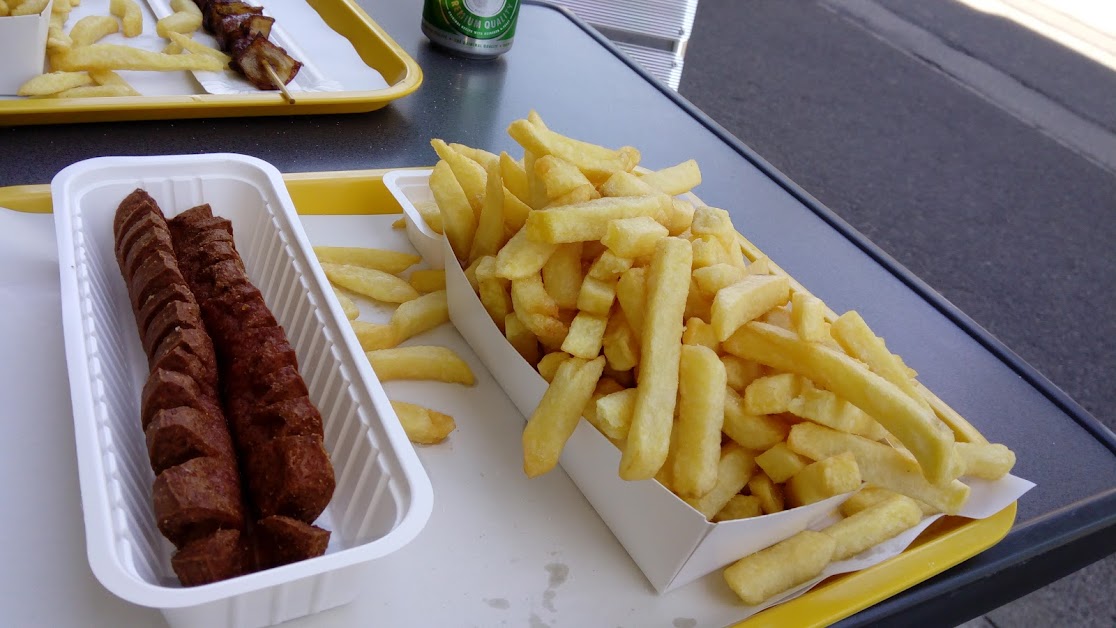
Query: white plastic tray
[(383, 496)]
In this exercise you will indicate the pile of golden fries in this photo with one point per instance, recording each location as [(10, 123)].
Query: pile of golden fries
[(374, 274), (83, 68), (712, 371)]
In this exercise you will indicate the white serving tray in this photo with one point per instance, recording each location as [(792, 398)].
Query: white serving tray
[(383, 496)]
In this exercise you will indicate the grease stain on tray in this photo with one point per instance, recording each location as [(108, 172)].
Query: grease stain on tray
[(685, 622), (559, 573), (537, 622), (498, 602)]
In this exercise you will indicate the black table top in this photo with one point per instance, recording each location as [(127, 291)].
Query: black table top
[(581, 87)]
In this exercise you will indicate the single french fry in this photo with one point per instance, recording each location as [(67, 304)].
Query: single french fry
[(562, 275), (620, 344), (614, 413), (605, 386), (681, 217), (116, 57), (708, 251), (590, 220), (631, 293), (372, 283), (746, 300), (757, 432), (549, 364), (521, 338), (421, 363), (872, 495), (530, 296), (826, 408), (782, 566), (393, 262), (608, 266), (740, 507), (490, 227), (824, 479), (470, 175), (660, 346), (196, 47), (482, 157), (633, 237), (772, 394), (373, 336), (428, 280), (522, 257), (496, 300), (422, 314), (557, 414), (987, 461), (716, 222), (596, 296), (596, 162), (432, 215), (769, 494), (919, 430), (515, 211), (29, 7), (514, 177), (855, 337), (178, 23), (423, 425), (675, 180), (558, 176), (736, 467), (700, 333), (536, 189), (351, 310), (701, 412), (879, 464), (108, 78), (91, 28), (741, 372), (585, 336), (808, 317), (711, 279), (780, 463), (873, 526), (130, 16), (185, 6), (53, 83), (458, 219), (624, 183)]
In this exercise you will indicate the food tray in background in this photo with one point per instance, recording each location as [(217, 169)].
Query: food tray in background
[(383, 497), (511, 539), (180, 95)]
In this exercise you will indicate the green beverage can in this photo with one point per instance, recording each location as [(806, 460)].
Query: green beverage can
[(482, 29)]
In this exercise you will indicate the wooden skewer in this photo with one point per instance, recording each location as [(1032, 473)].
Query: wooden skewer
[(279, 83)]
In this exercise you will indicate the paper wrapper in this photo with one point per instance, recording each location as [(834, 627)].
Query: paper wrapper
[(672, 543)]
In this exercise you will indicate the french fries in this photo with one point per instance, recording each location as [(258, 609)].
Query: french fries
[(29, 7), (186, 43), (130, 16), (421, 363), (53, 83), (372, 283), (393, 262), (423, 425), (181, 22), (660, 345), (114, 57), (556, 416), (352, 312), (428, 280), (91, 28), (710, 369)]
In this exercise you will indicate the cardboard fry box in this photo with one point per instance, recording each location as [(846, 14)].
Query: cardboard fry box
[(23, 48), (672, 543)]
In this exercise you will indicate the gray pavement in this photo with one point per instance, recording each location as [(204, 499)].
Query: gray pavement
[(1004, 215)]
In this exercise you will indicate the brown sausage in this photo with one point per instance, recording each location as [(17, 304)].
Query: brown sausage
[(197, 498), (176, 315), (194, 341), (219, 556), (181, 434), (284, 540), (133, 208), (152, 303)]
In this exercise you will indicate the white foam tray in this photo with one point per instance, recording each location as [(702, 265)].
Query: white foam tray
[(383, 496)]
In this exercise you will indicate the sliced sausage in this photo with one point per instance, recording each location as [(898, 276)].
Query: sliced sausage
[(181, 434), (284, 540), (197, 498), (219, 556)]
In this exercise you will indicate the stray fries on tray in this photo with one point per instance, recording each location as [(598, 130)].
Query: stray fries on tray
[(374, 274), (713, 371), (82, 67)]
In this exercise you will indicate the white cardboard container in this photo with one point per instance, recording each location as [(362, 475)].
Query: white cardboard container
[(23, 49), (672, 543), (383, 496)]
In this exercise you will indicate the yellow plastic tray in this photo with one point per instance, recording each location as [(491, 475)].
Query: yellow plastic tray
[(375, 47), (947, 542)]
